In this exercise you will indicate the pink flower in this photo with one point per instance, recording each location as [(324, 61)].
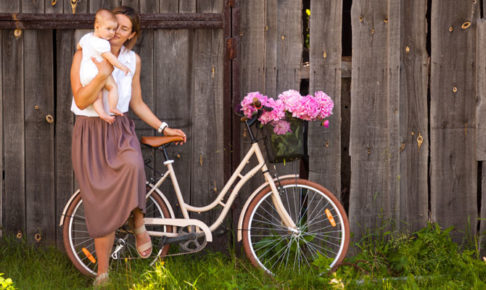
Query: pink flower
[(325, 123), (276, 114), (281, 127), (291, 100), (325, 103)]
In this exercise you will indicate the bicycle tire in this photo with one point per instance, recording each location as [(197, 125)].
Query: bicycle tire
[(322, 222), (76, 238)]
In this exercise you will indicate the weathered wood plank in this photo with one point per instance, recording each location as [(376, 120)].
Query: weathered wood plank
[(393, 23), (252, 41), (64, 123), (173, 87), (57, 8), (81, 7), (370, 196), (9, 6), (271, 41), (1, 141), (209, 6), (252, 73), (289, 57), (31, 6), (169, 6), (187, 6), (413, 210), (207, 174), (324, 145), (39, 135), (481, 91), (453, 174), (149, 6), (481, 127), (13, 133), (94, 5), (145, 48), (135, 4)]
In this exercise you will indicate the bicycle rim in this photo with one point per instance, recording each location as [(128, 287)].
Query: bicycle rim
[(323, 229), (80, 246)]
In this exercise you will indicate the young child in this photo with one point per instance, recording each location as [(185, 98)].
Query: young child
[(95, 44)]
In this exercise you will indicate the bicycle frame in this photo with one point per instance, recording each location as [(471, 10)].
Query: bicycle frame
[(186, 208)]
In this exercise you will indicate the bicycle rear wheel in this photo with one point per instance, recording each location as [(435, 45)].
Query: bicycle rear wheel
[(80, 246), (322, 228)]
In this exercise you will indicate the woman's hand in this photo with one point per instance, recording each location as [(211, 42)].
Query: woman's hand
[(104, 67), (175, 132)]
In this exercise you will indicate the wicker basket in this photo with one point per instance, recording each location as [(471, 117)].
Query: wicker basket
[(289, 146)]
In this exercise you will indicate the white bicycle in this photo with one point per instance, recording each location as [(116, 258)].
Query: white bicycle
[(286, 222)]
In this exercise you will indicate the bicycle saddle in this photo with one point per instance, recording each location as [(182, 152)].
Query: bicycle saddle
[(157, 141)]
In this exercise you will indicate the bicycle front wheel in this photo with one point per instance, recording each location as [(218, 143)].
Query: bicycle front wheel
[(80, 246), (322, 228)]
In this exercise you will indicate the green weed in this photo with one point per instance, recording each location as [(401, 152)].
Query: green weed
[(427, 259)]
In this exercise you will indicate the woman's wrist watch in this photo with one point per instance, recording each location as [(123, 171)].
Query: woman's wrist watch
[(162, 127)]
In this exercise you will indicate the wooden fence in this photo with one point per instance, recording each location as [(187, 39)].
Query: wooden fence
[(406, 143)]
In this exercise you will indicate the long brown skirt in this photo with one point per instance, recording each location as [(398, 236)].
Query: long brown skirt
[(109, 168)]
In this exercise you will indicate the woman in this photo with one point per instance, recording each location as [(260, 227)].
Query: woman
[(107, 160)]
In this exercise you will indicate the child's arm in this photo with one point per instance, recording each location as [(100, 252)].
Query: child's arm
[(114, 61)]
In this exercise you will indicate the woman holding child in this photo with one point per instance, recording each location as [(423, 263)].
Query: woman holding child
[(106, 155)]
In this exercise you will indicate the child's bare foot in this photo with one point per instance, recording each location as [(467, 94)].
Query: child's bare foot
[(116, 112), (107, 118)]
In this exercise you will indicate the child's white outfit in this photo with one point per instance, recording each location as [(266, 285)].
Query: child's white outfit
[(92, 46), (123, 81)]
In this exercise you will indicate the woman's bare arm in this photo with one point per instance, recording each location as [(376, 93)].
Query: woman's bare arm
[(141, 109), (85, 96)]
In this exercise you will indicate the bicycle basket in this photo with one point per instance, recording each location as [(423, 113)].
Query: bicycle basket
[(289, 146)]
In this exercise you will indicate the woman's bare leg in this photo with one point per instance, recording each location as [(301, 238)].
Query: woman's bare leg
[(103, 248), (143, 237)]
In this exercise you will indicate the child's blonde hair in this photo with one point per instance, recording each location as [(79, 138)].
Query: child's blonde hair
[(104, 14)]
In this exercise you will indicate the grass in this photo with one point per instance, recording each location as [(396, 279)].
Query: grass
[(427, 259)]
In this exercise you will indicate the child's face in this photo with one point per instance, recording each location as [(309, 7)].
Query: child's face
[(106, 29)]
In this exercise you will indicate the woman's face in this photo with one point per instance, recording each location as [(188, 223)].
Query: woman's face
[(123, 32)]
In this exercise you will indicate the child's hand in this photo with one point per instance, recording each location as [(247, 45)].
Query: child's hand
[(125, 69)]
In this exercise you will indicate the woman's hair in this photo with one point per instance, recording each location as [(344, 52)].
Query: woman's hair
[(133, 16)]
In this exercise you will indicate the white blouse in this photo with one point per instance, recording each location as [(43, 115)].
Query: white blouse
[(124, 82)]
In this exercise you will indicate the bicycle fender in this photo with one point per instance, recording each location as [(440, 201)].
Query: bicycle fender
[(247, 203), (161, 195), (61, 222)]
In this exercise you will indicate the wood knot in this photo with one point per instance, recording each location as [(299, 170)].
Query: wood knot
[(466, 25), (385, 20), (19, 235), (361, 18), (454, 90), (451, 28), (18, 33), (37, 237), (407, 49)]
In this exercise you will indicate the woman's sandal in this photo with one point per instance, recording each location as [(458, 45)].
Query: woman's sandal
[(101, 280), (144, 247)]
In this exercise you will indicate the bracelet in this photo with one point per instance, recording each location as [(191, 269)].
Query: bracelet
[(162, 127)]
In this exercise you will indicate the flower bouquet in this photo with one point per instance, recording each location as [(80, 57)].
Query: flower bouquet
[(287, 130)]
